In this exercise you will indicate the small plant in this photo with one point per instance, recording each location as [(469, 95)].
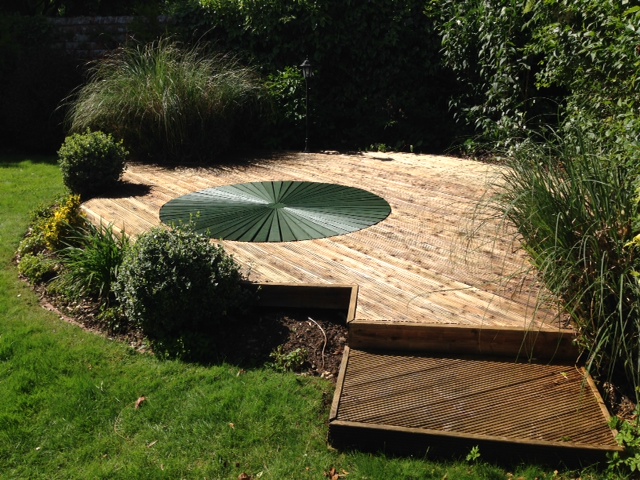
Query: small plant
[(627, 463), (474, 455), (65, 219), (180, 289), (34, 240), (91, 162), (92, 261), (288, 361), (38, 268)]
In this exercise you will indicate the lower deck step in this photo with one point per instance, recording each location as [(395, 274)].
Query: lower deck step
[(444, 405)]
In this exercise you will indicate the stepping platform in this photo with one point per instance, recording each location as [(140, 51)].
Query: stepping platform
[(439, 391)]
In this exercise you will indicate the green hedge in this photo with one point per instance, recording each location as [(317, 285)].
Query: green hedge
[(378, 77)]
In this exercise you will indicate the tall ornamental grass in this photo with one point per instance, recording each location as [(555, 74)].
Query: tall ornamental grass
[(170, 103), (576, 206)]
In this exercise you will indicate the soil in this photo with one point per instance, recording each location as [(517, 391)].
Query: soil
[(317, 336)]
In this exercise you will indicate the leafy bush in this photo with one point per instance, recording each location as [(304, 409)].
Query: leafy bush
[(91, 264), (378, 76), (91, 162), (180, 289), (589, 49), (58, 228), (39, 268), (286, 89), (169, 103), (524, 64), (625, 464), (576, 208)]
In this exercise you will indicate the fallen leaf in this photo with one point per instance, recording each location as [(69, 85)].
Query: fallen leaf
[(244, 476), (152, 444), (140, 401), (232, 425), (332, 474)]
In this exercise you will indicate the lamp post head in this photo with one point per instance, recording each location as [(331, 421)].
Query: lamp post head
[(306, 69)]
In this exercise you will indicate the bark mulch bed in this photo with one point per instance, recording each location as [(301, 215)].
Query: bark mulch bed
[(320, 335)]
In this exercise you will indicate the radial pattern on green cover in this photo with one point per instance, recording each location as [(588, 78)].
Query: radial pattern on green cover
[(281, 211)]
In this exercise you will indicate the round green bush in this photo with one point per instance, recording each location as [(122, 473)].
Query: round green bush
[(91, 162), (180, 289)]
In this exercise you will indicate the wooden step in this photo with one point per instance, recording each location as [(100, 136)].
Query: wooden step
[(444, 405)]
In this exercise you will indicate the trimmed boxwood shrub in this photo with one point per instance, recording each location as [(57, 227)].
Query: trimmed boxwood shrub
[(91, 162), (180, 289)]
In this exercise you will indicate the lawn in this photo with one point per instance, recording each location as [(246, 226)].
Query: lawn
[(78, 405)]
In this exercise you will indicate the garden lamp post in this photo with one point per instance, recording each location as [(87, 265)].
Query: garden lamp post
[(306, 73)]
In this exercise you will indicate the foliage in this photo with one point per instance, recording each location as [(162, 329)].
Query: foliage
[(288, 361), (91, 162), (180, 289), (474, 454), (523, 62), (34, 241), (286, 89), (70, 8), (377, 73), (69, 397), (168, 102), (625, 464), (482, 42), (92, 261), (589, 48), (58, 228), (576, 209), (39, 268)]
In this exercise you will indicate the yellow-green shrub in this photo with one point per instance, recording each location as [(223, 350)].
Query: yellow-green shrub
[(65, 218)]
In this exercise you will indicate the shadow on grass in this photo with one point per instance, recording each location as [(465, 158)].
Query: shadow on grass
[(13, 159)]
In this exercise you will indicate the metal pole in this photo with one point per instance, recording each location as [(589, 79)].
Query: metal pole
[(306, 116)]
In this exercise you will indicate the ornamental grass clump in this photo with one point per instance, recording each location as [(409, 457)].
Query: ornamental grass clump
[(91, 262), (575, 206), (169, 103), (181, 290)]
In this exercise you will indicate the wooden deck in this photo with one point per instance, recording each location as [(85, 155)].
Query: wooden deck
[(441, 256)]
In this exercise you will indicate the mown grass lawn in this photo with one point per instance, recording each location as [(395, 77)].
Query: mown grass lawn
[(68, 397)]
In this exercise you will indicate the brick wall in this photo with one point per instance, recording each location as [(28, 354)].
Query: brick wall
[(91, 37)]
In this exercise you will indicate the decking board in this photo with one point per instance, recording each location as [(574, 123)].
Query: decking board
[(436, 405), (440, 256)]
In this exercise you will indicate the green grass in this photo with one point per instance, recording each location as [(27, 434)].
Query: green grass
[(68, 397)]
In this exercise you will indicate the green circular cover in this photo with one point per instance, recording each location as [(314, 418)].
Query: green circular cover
[(282, 211)]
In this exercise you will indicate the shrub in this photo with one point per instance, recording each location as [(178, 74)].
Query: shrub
[(91, 162), (167, 102), (34, 240), (66, 217), (378, 75), (576, 208), (91, 264), (39, 268), (180, 289), (521, 62)]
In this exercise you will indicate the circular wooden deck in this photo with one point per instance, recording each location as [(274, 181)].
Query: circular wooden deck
[(441, 256)]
